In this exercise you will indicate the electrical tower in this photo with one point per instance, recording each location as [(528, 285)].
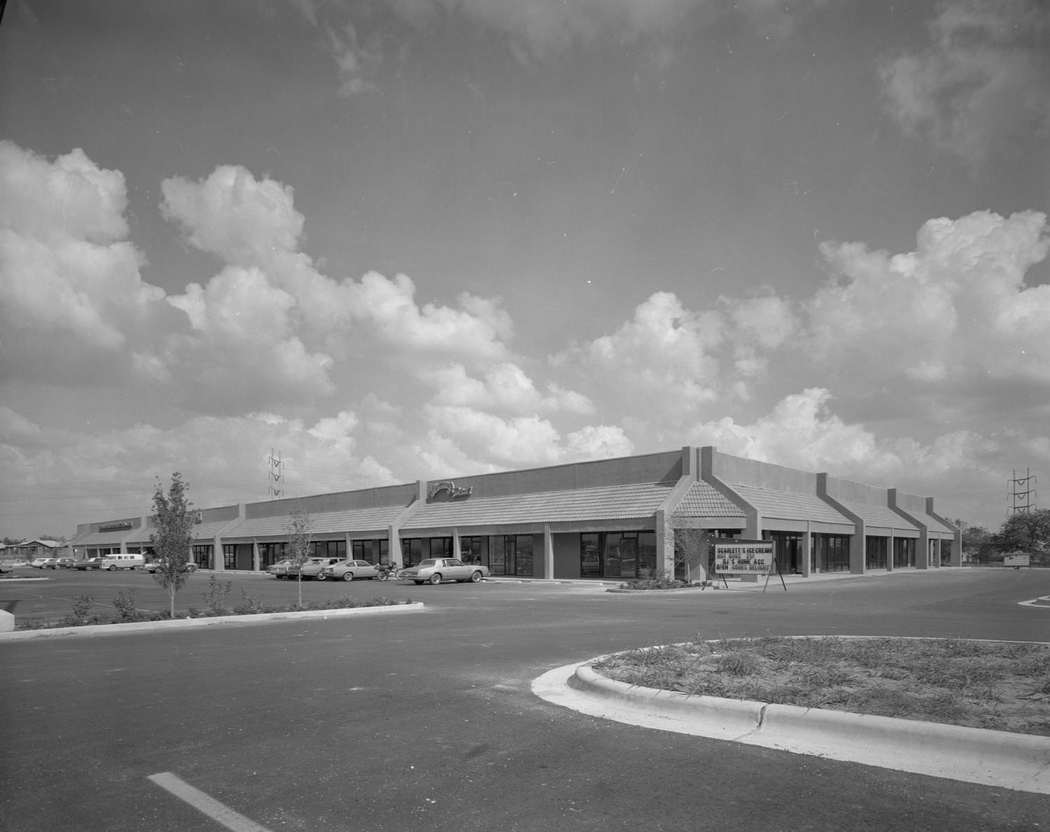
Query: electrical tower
[(276, 475), (1023, 493)]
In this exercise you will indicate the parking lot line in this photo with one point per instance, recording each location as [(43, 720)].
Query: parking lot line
[(205, 803)]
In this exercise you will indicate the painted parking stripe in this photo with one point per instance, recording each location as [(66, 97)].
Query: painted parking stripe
[(206, 804)]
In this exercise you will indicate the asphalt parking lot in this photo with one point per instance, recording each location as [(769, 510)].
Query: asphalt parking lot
[(427, 721)]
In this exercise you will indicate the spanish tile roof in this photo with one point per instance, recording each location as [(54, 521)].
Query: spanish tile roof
[(704, 500), (874, 515), (614, 502), (104, 538), (199, 531), (329, 522), (789, 505)]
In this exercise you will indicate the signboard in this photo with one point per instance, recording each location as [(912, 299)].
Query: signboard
[(1017, 560), (743, 557)]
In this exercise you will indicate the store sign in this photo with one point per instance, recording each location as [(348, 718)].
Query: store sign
[(1017, 560), (448, 490), (743, 557), (122, 526)]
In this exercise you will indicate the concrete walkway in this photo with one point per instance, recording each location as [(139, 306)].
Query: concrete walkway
[(992, 758)]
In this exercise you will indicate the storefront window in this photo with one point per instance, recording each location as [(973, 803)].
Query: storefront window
[(618, 554), (875, 549), (229, 555), (376, 550), (474, 549), (830, 553), (903, 552), (202, 555)]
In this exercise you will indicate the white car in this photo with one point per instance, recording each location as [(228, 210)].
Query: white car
[(44, 563), (349, 570), (437, 570)]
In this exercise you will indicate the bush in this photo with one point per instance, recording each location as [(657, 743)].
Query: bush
[(216, 595), (124, 604)]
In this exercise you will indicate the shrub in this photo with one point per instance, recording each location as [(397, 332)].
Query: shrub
[(216, 595), (81, 609), (248, 604), (124, 603)]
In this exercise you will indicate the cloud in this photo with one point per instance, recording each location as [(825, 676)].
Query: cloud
[(953, 316), (235, 216), (982, 84), (70, 287), (504, 387)]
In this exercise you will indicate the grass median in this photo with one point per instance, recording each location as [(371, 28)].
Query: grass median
[(999, 685)]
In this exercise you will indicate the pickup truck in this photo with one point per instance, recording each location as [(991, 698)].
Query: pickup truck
[(437, 570)]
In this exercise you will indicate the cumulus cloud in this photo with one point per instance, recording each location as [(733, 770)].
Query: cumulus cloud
[(69, 281), (982, 83), (505, 387), (955, 313)]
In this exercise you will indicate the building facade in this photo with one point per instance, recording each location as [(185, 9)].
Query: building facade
[(606, 519)]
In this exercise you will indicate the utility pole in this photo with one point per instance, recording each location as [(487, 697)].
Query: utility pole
[(276, 474), (1023, 493)]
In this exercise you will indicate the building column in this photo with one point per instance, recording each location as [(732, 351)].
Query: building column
[(394, 539), (807, 550), (548, 552), (665, 546), (457, 552), (256, 557), (218, 562), (889, 552)]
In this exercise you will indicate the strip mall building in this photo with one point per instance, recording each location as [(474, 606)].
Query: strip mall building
[(608, 519)]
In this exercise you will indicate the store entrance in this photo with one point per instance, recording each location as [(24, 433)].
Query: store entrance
[(787, 547)]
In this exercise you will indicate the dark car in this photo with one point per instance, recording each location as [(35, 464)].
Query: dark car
[(66, 563), (189, 566), (89, 563)]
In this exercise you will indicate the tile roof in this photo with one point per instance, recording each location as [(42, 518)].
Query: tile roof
[(789, 505), (614, 502), (329, 522), (103, 538), (874, 515), (704, 500)]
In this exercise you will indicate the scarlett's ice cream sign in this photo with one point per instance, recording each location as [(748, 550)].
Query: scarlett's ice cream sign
[(743, 557)]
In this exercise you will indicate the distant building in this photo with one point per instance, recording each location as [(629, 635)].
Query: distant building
[(605, 519), (31, 549)]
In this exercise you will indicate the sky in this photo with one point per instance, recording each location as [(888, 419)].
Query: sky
[(389, 240)]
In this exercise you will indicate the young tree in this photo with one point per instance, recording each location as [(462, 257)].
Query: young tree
[(172, 536), (299, 545)]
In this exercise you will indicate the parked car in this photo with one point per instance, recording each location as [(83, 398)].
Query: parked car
[(65, 563), (153, 566), (43, 563), (314, 567), (437, 570), (88, 563), (6, 567), (349, 570), (280, 569)]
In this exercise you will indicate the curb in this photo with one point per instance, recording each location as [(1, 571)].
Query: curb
[(1003, 759), (198, 623)]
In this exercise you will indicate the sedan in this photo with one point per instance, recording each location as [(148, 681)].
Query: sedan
[(314, 567), (437, 570), (66, 563), (189, 566), (348, 570), (89, 563)]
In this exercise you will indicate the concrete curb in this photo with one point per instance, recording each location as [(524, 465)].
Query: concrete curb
[(993, 758), (198, 623)]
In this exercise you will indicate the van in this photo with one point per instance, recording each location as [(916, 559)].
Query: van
[(122, 561)]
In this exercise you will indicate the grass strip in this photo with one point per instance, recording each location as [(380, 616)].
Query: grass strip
[(1000, 685)]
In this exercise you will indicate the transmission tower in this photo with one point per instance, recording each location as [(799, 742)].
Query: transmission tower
[(276, 475), (1023, 492)]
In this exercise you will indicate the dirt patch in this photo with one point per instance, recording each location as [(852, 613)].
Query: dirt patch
[(999, 685)]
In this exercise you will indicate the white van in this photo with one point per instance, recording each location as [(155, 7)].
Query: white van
[(122, 561)]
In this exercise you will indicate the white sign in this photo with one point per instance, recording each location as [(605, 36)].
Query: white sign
[(743, 557), (1017, 560)]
